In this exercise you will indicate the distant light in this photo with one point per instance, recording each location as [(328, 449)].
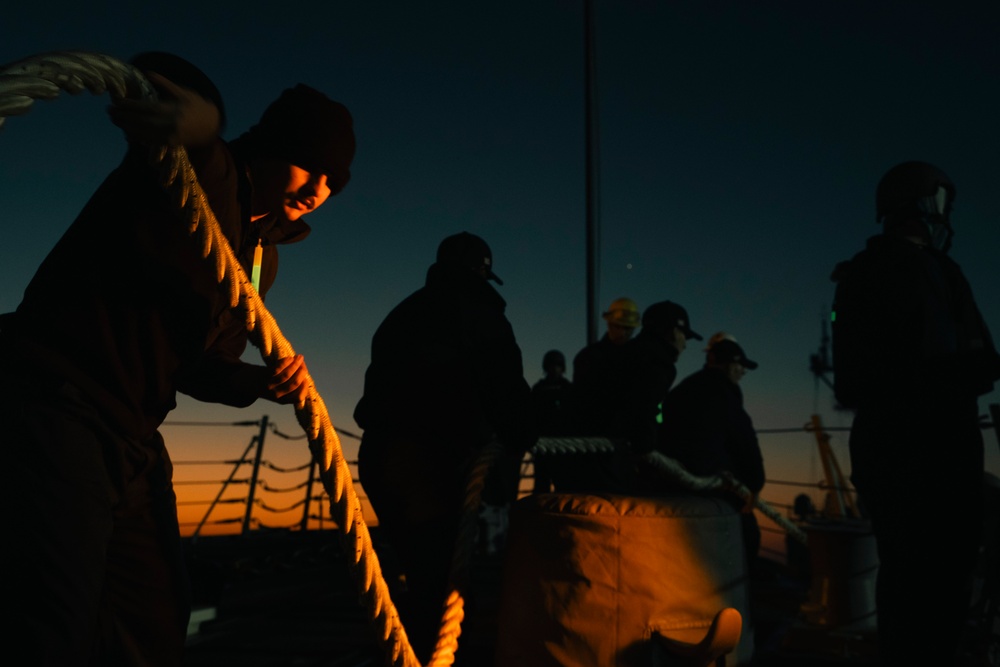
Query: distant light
[(833, 316), (628, 266)]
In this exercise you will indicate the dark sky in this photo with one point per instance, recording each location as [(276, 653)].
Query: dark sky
[(740, 148)]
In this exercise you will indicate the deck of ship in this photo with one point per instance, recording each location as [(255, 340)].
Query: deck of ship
[(288, 598)]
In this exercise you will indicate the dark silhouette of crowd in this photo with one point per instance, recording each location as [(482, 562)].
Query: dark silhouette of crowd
[(915, 399)]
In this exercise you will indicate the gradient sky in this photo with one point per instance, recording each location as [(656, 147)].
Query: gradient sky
[(740, 148)]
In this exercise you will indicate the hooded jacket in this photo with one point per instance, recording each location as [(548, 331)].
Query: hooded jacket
[(125, 308)]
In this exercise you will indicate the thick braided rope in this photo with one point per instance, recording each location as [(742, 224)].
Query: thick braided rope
[(573, 446), (672, 469), (42, 77), (454, 606)]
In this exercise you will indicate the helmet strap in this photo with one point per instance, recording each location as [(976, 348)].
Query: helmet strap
[(934, 213)]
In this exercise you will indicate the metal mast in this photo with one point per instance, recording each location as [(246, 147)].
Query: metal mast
[(592, 170)]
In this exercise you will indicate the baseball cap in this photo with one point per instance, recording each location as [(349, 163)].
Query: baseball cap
[(470, 251), (728, 351), (666, 315), (716, 337)]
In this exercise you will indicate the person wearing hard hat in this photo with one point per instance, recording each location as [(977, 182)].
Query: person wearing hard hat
[(622, 319), (911, 355), (716, 337)]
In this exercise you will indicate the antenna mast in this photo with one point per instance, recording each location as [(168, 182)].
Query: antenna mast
[(592, 169)]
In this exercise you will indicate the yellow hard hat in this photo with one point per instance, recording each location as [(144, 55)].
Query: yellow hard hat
[(624, 312)]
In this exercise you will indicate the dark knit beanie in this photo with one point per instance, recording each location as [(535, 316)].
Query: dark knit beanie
[(307, 129)]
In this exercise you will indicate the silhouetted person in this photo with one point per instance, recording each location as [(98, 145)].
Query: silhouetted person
[(651, 358), (621, 398), (798, 557), (122, 314), (550, 398), (433, 397), (707, 430), (621, 319), (911, 355)]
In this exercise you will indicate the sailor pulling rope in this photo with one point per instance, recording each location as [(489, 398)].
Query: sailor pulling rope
[(43, 77)]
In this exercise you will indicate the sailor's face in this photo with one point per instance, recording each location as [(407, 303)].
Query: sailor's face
[(305, 191), (680, 340), (287, 190), (618, 334), (735, 371)]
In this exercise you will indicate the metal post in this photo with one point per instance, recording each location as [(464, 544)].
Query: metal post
[(225, 485), (839, 503), (592, 170), (253, 476), (309, 487)]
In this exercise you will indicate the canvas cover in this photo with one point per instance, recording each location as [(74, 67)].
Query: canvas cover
[(588, 579)]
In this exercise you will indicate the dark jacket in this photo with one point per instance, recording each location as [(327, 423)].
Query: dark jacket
[(653, 370), (550, 399), (618, 397), (446, 368), (619, 394), (911, 353), (125, 308), (707, 430), (599, 378), (595, 358), (907, 331)]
